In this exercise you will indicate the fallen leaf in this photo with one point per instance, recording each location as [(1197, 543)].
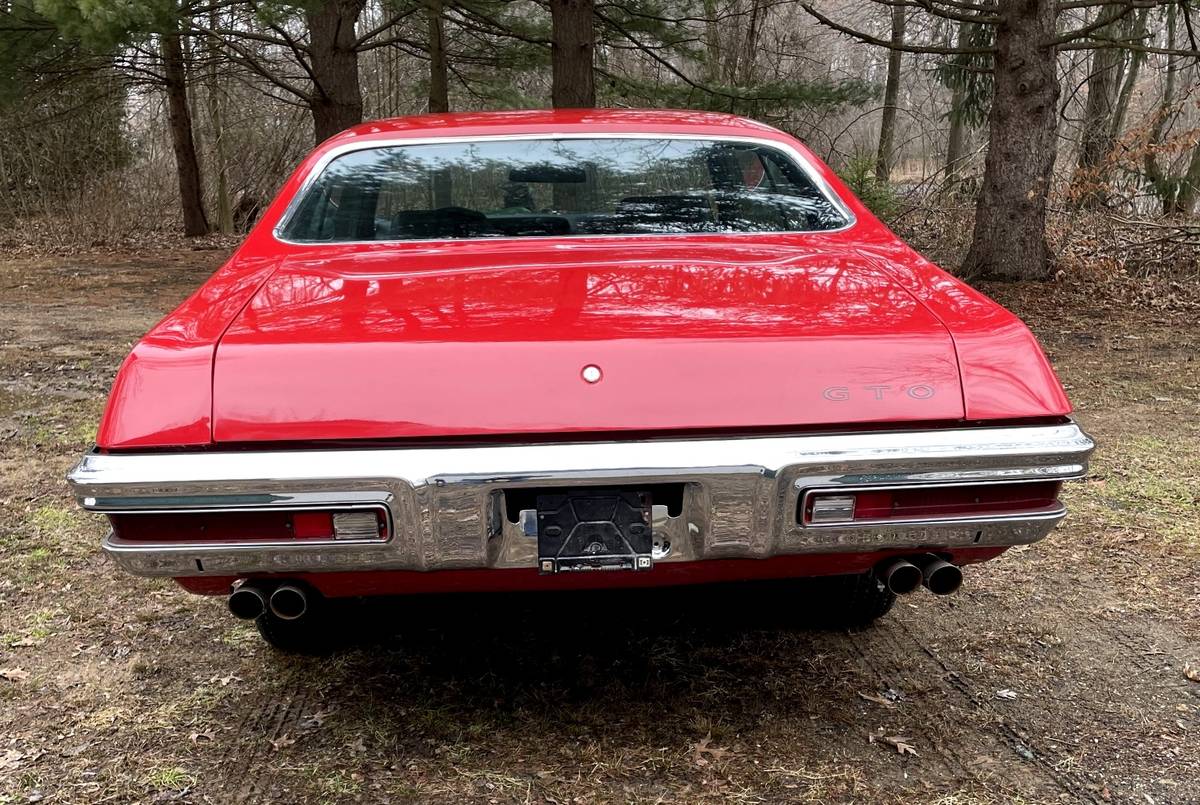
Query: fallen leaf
[(1190, 669), (315, 720), (874, 697), (1006, 694), (282, 741), (197, 737), (11, 759), (900, 743), (13, 674), (703, 747)]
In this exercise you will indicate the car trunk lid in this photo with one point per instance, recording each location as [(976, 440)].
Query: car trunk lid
[(478, 338)]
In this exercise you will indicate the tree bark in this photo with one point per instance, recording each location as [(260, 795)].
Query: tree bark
[(1189, 187), (750, 46), (337, 97), (179, 118), (439, 92), (957, 139), (573, 44), (1009, 240), (712, 43), (891, 96), (439, 83), (1136, 59), (1164, 185), (1103, 84), (216, 120)]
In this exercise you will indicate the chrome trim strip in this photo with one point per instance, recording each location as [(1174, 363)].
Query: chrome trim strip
[(802, 162), (447, 510)]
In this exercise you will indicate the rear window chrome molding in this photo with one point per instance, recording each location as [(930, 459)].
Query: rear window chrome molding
[(803, 163)]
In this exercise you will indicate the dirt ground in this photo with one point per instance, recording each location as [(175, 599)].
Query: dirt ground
[(1067, 671)]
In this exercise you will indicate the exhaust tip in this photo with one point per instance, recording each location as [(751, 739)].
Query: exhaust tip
[(940, 577), (289, 602), (901, 577), (247, 602)]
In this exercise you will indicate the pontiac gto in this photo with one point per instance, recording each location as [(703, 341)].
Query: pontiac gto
[(574, 349)]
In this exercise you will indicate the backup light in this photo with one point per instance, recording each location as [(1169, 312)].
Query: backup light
[(831, 509), (357, 525)]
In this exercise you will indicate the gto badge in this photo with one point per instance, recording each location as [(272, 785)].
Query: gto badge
[(591, 373), (920, 391)]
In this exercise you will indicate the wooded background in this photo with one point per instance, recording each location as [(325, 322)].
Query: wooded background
[(1011, 139)]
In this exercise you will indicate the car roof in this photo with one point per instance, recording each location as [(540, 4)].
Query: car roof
[(559, 121)]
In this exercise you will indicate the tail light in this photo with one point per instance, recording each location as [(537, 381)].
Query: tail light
[(958, 501), (252, 526)]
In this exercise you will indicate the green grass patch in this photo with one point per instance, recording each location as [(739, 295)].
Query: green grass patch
[(49, 520), (1146, 484), (170, 778), (341, 784)]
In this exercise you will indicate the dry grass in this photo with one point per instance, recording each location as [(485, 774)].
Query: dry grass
[(120, 689)]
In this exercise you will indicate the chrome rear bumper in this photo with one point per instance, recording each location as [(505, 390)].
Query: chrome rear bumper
[(447, 510)]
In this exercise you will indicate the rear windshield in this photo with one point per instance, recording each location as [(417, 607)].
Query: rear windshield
[(558, 187)]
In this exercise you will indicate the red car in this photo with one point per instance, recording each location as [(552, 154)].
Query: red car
[(574, 349)]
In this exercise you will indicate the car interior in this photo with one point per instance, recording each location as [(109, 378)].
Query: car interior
[(739, 190)]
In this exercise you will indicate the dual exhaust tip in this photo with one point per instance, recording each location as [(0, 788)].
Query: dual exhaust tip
[(251, 600), (903, 576), (289, 602)]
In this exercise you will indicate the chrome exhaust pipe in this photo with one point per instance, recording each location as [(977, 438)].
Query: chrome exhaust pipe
[(289, 602), (939, 576), (247, 601), (900, 576)]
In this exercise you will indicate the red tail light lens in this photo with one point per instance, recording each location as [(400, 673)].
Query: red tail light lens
[(251, 526), (929, 502), (312, 525)]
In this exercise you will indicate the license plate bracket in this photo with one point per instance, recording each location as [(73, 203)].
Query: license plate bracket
[(589, 529)]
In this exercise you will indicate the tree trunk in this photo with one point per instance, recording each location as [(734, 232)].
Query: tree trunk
[(1162, 184), (750, 47), (957, 139), (337, 97), (1136, 59), (439, 83), (439, 92), (571, 51), (179, 117), (712, 43), (1103, 84), (1189, 187), (891, 95), (1009, 240), (216, 120)]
